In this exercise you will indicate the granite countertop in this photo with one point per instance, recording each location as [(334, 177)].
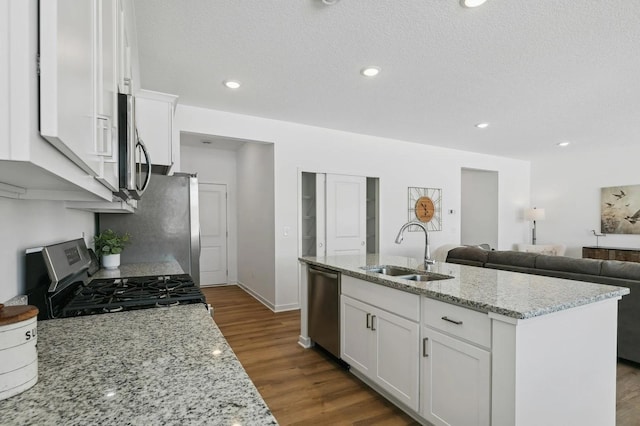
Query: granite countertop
[(140, 270), (168, 366), (511, 294)]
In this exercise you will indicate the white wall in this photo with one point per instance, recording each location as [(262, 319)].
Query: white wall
[(218, 166), (256, 239), (567, 185), (398, 164), (25, 224), (479, 207)]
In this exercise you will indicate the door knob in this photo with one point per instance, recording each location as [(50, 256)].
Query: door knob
[(362, 243)]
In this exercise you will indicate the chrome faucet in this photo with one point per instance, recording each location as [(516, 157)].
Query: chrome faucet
[(427, 252)]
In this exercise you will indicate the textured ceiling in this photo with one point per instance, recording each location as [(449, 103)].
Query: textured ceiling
[(540, 71)]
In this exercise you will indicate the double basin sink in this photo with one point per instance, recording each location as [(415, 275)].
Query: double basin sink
[(405, 273)]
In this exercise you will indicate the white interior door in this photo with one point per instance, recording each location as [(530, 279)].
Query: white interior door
[(213, 233), (346, 214)]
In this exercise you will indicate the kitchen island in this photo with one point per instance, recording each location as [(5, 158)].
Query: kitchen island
[(151, 366), (481, 347)]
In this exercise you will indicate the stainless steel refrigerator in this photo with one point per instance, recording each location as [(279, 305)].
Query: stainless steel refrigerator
[(165, 226)]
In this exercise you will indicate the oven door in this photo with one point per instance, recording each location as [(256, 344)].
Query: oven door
[(134, 163)]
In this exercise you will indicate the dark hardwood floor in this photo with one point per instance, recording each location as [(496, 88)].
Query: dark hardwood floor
[(304, 387)]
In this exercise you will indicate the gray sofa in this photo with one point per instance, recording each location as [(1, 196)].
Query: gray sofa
[(623, 274)]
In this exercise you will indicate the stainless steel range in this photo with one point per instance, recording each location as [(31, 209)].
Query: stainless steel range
[(58, 283)]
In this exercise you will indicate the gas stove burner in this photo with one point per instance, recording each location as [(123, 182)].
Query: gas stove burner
[(115, 295), (166, 304), (166, 286)]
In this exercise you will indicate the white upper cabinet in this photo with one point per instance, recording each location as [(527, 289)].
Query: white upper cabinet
[(154, 120), (106, 106), (30, 166), (67, 118), (124, 49), (78, 83)]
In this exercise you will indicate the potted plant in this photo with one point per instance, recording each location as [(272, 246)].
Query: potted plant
[(109, 245)]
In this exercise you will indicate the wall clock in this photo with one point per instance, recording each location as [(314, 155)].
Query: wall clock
[(425, 206)]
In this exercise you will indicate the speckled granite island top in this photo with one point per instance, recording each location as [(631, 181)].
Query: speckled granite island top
[(140, 270), (165, 366), (511, 294)]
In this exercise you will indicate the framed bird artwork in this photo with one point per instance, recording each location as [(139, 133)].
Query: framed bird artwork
[(620, 209)]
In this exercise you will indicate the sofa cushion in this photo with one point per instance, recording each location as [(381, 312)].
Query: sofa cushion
[(522, 269), (569, 264), (617, 269), (512, 258), (472, 256)]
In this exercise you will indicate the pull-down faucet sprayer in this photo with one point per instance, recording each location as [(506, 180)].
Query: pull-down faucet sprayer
[(427, 252)]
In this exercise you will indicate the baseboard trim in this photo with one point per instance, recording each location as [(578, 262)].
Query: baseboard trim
[(256, 296), (265, 302), (216, 285), (289, 307), (305, 342)]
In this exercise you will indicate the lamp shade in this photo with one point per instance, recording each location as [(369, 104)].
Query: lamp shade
[(534, 214)]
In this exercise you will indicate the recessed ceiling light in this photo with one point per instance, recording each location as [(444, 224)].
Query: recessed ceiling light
[(329, 2), (563, 144), (231, 84), (370, 71), (482, 125), (472, 3)]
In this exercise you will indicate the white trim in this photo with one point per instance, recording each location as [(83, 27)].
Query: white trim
[(272, 307), (218, 285), (305, 342), (256, 296), (288, 307), (299, 215)]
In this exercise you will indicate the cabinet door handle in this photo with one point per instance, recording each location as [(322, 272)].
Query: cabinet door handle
[(373, 325), (368, 318), (452, 320), (424, 347)]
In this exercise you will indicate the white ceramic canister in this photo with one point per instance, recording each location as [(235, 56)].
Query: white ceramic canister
[(18, 351)]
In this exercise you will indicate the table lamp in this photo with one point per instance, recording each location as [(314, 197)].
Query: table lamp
[(534, 214)]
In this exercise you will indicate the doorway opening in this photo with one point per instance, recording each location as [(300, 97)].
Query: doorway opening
[(339, 214), (245, 168), (479, 207)]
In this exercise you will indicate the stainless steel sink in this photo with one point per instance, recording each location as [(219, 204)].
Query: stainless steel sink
[(389, 270), (405, 273), (425, 277)]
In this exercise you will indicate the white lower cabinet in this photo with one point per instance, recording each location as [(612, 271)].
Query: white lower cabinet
[(455, 382), (450, 365), (382, 346)]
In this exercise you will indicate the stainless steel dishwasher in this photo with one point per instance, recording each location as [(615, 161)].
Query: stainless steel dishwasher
[(324, 308)]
